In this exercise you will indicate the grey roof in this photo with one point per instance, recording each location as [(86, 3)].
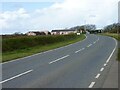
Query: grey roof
[(37, 32), (64, 30)]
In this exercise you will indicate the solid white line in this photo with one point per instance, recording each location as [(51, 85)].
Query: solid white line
[(101, 69), (98, 75), (58, 59), (91, 85), (89, 45), (16, 76), (42, 52), (112, 52), (79, 50)]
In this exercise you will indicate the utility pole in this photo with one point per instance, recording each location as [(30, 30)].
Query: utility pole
[(85, 26), (118, 17)]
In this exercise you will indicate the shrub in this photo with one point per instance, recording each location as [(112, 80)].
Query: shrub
[(23, 42)]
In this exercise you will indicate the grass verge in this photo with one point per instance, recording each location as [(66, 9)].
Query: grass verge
[(11, 55), (117, 37)]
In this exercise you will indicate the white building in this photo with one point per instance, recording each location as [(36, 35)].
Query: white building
[(63, 32), (34, 33)]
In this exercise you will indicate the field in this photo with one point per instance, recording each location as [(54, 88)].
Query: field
[(17, 47)]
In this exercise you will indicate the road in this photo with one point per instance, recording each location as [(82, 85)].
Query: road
[(84, 64)]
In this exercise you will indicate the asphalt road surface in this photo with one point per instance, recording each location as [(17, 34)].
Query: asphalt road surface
[(83, 64)]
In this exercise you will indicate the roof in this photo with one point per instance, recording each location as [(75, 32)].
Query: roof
[(33, 32), (64, 30), (37, 32)]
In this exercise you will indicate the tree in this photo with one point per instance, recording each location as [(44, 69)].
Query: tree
[(18, 33), (87, 27), (113, 28), (90, 27)]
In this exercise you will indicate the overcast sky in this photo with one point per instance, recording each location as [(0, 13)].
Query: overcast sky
[(55, 14)]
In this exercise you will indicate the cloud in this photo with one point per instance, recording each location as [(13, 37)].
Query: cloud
[(61, 15), (13, 20), (76, 12)]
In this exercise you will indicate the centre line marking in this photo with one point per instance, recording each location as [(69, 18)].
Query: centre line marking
[(94, 42), (79, 50), (16, 76), (83, 48), (105, 64), (101, 69), (98, 75), (98, 39), (58, 59), (91, 85), (89, 45)]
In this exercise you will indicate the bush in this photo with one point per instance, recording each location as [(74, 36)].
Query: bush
[(23, 42)]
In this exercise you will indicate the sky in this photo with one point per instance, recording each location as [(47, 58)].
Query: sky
[(34, 15)]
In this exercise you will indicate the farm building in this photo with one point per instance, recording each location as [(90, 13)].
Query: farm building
[(36, 33), (63, 32)]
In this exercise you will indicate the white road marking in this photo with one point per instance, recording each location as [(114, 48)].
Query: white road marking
[(112, 52), (98, 39), (89, 45), (58, 59), (94, 42), (83, 48), (101, 69), (105, 64), (86, 36), (91, 85), (79, 50), (98, 75), (16, 76)]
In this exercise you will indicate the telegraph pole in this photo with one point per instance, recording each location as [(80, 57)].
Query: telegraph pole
[(118, 17)]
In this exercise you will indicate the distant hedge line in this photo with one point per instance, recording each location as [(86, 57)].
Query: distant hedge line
[(23, 42)]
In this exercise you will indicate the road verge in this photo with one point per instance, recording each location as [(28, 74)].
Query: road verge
[(11, 55)]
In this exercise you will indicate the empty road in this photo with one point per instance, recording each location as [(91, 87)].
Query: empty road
[(83, 64)]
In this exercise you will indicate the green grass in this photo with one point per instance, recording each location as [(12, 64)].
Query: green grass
[(117, 37), (114, 35), (18, 53), (25, 42)]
